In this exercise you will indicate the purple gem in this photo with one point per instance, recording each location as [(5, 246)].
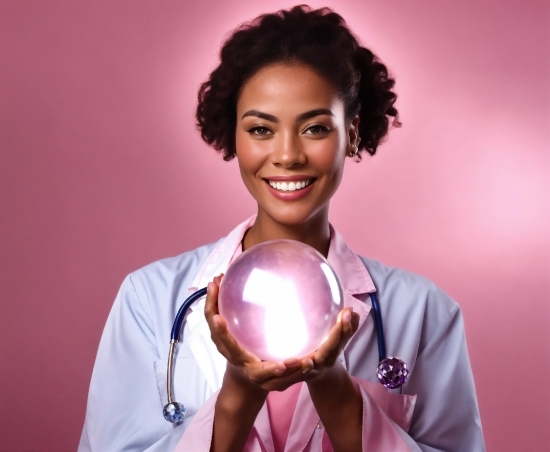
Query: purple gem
[(392, 372)]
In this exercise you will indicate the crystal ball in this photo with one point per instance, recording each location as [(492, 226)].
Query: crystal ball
[(280, 299)]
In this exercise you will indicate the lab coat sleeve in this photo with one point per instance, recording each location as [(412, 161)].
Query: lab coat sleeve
[(424, 327), (124, 411), (446, 416), (443, 416)]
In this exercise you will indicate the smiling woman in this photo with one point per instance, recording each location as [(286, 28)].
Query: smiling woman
[(294, 95)]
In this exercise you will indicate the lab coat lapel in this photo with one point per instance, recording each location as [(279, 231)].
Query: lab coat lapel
[(210, 361)]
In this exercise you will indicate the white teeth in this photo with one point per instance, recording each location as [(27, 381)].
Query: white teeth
[(290, 186)]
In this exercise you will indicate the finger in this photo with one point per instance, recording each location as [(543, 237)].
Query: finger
[(350, 322), (274, 370), (307, 365), (354, 322), (330, 349), (225, 341), (347, 328), (211, 303), (262, 371), (330, 343), (292, 363), (282, 382), (297, 370), (211, 314)]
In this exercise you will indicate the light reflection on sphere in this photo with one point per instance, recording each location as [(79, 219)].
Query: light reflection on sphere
[(280, 299)]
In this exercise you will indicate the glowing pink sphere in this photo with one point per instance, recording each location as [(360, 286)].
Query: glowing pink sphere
[(280, 299)]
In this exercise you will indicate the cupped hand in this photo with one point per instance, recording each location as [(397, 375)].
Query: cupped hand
[(243, 364), (328, 352)]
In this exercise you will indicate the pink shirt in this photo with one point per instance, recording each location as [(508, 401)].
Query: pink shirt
[(384, 413)]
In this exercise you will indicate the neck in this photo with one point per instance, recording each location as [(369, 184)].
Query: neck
[(315, 232)]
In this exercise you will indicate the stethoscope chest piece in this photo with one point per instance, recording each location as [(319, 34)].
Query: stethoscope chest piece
[(174, 412), (392, 372)]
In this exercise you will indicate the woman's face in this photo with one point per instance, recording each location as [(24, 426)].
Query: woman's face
[(292, 138)]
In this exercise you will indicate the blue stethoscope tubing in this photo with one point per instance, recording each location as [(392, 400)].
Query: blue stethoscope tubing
[(175, 412), (178, 321), (379, 326)]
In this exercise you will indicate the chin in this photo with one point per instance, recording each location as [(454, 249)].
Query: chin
[(292, 216)]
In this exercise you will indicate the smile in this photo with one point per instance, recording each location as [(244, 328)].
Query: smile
[(290, 186)]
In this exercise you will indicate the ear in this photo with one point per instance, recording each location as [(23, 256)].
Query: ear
[(353, 132)]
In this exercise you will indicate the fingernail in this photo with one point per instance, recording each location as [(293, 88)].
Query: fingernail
[(216, 322), (347, 316), (209, 286), (279, 371)]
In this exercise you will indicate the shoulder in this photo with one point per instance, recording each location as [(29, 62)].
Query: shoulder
[(408, 289), (173, 271), (158, 289), (416, 309), (181, 264)]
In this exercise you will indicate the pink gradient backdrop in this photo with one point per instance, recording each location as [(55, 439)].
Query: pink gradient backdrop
[(101, 171)]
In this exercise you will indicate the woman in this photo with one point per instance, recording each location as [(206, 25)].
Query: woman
[(293, 97)]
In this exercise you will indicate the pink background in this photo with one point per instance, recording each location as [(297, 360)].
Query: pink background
[(102, 171)]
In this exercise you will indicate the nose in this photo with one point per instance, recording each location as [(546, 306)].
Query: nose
[(289, 152)]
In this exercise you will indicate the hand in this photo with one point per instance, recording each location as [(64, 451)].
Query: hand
[(326, 355), (243, 366)]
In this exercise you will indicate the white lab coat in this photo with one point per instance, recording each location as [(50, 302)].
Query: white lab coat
[(423, 326)]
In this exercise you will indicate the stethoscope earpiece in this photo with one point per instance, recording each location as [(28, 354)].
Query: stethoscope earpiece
[(392, 372)]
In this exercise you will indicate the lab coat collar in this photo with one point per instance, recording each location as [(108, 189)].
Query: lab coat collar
[(351, 272)]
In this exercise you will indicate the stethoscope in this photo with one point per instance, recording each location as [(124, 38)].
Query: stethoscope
[(392, 372)]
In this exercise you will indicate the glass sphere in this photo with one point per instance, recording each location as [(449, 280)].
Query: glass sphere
[(280, 299)]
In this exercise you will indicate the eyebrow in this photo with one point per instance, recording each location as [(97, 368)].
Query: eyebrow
[(301, 117)]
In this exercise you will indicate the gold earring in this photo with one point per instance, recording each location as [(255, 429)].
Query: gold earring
[(355, 150)]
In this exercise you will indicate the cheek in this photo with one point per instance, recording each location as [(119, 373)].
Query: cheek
[(245, 153), (250, 160), (331, 157)]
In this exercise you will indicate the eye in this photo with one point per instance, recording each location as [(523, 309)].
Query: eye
[(259, 131), (317, 129)]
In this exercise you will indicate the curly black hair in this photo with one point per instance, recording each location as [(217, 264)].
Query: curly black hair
[(318, 38)]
